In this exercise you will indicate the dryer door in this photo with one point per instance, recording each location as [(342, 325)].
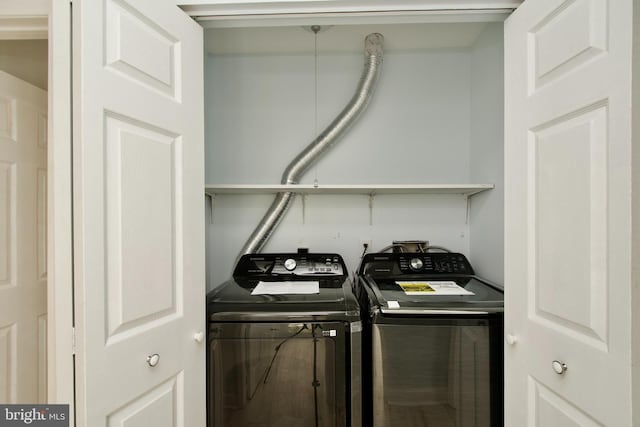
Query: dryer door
[(438, 370), (272, 374)]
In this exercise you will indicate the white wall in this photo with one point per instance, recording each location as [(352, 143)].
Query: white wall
[(418, 129), (25, 59), (261, 114), (635, 237), (487, 209), (333, 224)]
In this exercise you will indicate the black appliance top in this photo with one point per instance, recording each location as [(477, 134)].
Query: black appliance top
[(236, 299), (426, 282), (402, 263)]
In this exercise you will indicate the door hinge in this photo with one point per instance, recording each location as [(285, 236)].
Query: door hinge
[(73, 340)]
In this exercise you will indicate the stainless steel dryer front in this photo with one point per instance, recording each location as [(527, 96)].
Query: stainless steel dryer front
[(284, 344), (433, 342)]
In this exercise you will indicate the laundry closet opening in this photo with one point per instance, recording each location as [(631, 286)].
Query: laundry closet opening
[(434, 125)]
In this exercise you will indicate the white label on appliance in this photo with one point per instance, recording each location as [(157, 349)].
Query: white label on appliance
[(287, 288), (356, 327), (433, 288), (393, 304)]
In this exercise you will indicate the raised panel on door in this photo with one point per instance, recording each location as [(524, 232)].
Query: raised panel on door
[(140, 165), (549, 409), (8, 361), (568, 224), (7, 222), (23, 280), (567, 198), (139, 239)]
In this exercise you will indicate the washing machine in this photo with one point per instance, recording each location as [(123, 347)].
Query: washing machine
[(433, 353), (284, 344)]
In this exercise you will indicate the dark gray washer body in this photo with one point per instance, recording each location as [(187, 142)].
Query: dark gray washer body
[(284, 360)]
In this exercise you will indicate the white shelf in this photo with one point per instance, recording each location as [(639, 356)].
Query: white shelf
[(466, 190), (372, 190)]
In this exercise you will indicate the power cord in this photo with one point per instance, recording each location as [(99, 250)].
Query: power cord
[(273, 359)]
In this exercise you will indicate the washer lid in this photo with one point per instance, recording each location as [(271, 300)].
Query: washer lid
[(334, 297), (426, 294)]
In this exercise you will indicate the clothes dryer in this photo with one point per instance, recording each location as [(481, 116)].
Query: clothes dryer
[(433, 341)]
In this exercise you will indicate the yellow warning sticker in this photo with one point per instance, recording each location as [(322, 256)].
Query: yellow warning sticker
[(414, 288), (433, 288)]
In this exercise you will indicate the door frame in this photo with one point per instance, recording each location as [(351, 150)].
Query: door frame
[(37, 19)]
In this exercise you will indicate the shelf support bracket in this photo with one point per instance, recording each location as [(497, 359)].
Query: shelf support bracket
[(210, 197), (467, 208), (304, 208), (371, 196)]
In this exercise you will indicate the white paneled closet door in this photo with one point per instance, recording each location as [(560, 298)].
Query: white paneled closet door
[(23, 241), (568, 213), (138, 214)]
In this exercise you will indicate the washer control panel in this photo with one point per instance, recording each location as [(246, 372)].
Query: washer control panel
[(434, 263), (438, 263), (299, 264)]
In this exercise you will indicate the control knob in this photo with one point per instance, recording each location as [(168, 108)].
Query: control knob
[(290, 264), (416, 264)]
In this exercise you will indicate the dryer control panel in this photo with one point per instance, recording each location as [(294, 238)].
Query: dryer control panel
[(432, 263), (297, 264)]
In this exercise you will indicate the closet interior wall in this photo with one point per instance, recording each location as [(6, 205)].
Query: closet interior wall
[(435, 118)]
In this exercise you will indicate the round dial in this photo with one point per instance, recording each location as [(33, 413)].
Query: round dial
[(290, 264), (416, 264)]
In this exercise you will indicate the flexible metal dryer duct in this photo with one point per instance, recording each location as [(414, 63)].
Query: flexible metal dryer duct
[(298, 166)]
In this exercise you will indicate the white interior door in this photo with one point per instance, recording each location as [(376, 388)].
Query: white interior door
[(23, 256), (138, 214), (568, 213)]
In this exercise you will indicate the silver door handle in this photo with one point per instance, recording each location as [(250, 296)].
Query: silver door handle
[(153, 359), (559, 367)]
